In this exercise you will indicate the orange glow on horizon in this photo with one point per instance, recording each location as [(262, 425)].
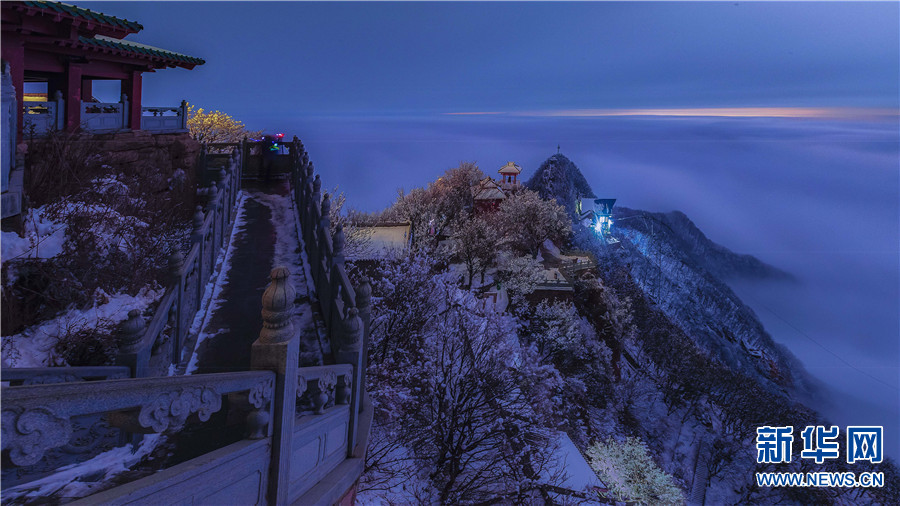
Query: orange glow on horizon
[(722, 112)]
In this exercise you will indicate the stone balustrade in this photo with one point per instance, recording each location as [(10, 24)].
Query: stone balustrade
[(150, 348), (165, 119), (37, 418), (347, 316), (306, 427)]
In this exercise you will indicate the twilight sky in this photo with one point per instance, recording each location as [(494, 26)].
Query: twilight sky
[(270, 60), (795, 159)]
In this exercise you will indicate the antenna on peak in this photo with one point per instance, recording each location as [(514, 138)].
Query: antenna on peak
[(557, 149)]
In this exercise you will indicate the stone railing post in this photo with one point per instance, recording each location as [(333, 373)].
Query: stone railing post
[(337, 246), (349, 333), (235, 178), (125, 112), (317, 191), (176, 264), (197, 233), (278, 349), (212, 191), (130, 335), (364, 304), (60, 120), (322, 264), (176, 271), (182, 112), (200, 168)]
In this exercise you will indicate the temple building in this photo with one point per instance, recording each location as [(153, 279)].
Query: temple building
[(509, 174), (56, 51), (490, 193), (488, 196)]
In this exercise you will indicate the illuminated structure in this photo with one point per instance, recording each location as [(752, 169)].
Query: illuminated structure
[(596, 214)]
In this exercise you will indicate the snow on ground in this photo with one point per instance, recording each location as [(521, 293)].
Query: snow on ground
[(212, 296), (579, 474), (63, 483), (287, 244), (34, 346), (43, 238)]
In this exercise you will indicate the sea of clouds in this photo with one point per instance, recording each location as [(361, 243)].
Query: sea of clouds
[(817, 198)]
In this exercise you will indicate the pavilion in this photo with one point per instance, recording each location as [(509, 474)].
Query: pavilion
[(68, 48)]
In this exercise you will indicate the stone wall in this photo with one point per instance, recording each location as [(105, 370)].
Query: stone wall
[(141, 150)]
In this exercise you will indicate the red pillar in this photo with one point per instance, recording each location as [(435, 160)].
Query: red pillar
[(87, 90), (73, 97), (132, 88), (14, 53)]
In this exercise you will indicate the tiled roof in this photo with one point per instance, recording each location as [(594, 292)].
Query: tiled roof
[(134, 47), (491, 194), (78, 12), (510, 168)]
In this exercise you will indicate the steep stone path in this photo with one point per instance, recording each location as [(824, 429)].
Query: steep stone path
[(264, 238)]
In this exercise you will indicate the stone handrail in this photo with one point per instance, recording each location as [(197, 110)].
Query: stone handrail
[(165, 119), (149, 349), (320, 385), (42, 117), (104, 116), (312, 423), (37, 418), (345, 309)]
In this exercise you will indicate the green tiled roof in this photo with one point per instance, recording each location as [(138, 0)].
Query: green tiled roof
[(134, 47), (78, 12)]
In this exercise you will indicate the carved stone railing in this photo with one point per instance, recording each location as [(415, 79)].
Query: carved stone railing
[(321, 387), (345, 309), (104, 116), (164, 119), (40, 118), (149, 348), (318, 409), (38, 418)]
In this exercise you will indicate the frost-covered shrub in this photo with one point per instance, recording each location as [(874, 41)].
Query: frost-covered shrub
[(60, 164), (631, 474), (109, 229), (88, 345)]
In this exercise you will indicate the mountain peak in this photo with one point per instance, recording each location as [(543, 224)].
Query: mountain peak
[(560, 179)]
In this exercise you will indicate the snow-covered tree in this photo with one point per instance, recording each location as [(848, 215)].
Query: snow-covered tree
[(355, 239), (530, 220), (435, 209), (631, 474), (476, 243), (466, 407), (216, 126), (519, 275)]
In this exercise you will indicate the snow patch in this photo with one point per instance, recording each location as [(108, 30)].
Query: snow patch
[(64, 482), (34, 346), (287, 244), (43, 238), (212, 296)]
